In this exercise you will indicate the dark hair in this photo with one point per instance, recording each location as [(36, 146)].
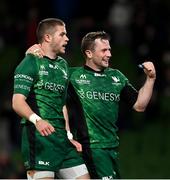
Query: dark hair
[(47, 26), (88, 41)]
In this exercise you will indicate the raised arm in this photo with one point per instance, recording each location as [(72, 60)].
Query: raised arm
[(146, 90)]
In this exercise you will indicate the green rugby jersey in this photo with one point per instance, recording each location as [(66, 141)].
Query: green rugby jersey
[(99, 96), (44, 82)]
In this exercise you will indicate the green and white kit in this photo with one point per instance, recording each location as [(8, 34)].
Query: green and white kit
[(97, 96), (44, 84)]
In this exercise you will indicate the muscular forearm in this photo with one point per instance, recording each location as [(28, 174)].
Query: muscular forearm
[(144, 95), (20, 106)]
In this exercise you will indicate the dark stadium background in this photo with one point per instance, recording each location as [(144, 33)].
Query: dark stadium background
[(140, 30)]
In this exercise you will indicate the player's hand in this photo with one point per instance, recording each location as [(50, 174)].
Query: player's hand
[(77, 145), (149, 70), (44, 128), (35, 50)]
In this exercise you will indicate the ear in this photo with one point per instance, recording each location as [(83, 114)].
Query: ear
[(89, 54), (47, 37)]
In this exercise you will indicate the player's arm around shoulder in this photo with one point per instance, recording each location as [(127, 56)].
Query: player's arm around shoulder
[(35, 50)]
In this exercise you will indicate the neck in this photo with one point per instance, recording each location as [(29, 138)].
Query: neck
[(93, 66), (48, 52)]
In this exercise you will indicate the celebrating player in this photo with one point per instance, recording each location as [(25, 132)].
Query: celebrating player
[(40, 88), (95, 91)]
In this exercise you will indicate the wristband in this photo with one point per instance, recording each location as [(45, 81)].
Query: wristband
[(34, 118), (69, 135)]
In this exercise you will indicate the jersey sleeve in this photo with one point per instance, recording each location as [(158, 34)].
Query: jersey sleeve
[(128, 94), (25, 75)]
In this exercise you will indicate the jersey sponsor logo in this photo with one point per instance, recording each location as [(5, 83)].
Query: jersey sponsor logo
[(57, 67), (45, 163), (107, 177), (23, 76), (99, 75), (40, 84), (42, 71), (53, 66), (83, 76), (94, 95), (21, 86), (50, 86), (54, 87), (115, 79), (83, 79), (42, 67)]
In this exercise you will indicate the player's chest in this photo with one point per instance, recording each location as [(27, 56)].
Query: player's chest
[(52, 72), (97, 82)]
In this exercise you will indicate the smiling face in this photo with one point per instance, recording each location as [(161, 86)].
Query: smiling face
[(98, 57)]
